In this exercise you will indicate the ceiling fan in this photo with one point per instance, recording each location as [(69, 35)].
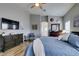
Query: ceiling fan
[(38, 5)]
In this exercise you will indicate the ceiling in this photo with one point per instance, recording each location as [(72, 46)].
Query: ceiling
[(52, 9)]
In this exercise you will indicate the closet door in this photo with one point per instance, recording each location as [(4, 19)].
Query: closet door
[(44, 28)]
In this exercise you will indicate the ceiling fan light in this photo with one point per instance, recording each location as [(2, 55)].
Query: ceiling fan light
[(37, 4)]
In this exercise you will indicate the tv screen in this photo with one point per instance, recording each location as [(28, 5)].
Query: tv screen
[(9, 24)]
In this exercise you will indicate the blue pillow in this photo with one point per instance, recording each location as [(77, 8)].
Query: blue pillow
[(74, 40), (29, 51)]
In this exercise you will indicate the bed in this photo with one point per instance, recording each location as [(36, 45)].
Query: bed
[(54, 47)]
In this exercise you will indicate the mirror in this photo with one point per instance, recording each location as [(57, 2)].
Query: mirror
[(55, 27)]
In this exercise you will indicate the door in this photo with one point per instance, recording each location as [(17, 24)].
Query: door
[(44, 28)]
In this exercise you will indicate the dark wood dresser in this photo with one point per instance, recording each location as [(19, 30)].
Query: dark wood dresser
[(55, 34), (10, 41)]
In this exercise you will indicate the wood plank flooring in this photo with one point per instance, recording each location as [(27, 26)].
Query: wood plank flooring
[(16, 51)]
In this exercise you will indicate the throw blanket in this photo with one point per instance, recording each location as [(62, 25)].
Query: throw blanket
[(38, 48)]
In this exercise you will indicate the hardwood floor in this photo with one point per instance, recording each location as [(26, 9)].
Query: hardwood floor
[(16, 51)]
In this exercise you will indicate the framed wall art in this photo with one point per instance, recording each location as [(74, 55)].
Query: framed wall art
[(34, 27), (76, 21)]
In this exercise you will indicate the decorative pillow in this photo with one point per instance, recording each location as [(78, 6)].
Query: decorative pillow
[(60, 37), (74, 40), (65, 37), (38, 48)]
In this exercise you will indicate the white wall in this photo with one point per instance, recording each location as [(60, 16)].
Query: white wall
[(35, 19), (13, 12), (69, 17), (57, 19)]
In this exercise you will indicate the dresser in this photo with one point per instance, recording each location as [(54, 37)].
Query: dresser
[(55, 34), (9, 41)]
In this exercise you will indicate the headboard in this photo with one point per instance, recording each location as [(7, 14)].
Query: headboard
[(76, 33)]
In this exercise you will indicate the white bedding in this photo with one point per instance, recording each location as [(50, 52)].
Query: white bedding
[(38, 48)]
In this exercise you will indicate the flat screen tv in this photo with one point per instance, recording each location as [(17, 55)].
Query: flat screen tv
[(9, 24)]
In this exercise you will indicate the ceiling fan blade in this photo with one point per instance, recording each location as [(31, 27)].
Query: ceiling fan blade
[(40, 7), (43, 3), (32, 6)]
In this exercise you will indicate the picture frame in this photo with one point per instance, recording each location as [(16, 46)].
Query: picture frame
[(34, 27), (76, 22)]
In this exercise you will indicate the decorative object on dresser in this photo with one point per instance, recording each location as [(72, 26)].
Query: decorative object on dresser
[(10, 41)]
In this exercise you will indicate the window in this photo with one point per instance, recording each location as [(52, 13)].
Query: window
[(14, 26), (4, 26), (9, 24), (67, 26)]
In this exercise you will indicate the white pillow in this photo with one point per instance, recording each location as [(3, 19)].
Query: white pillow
[(60, 37), (38, 48), (65, 37)]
